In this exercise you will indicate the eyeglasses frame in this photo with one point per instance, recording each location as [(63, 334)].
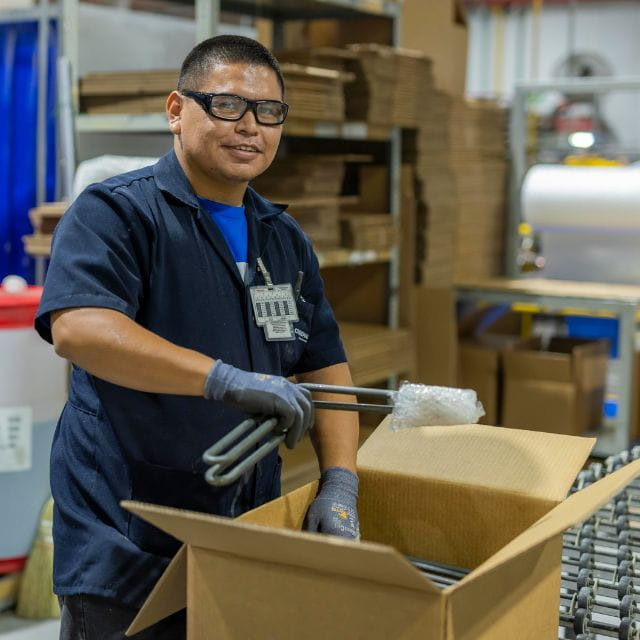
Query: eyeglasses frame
[(204, 100)]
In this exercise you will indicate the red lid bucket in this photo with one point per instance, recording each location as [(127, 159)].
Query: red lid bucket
[(18, 310)]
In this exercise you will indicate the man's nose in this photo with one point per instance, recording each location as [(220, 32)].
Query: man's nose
[(248, 123)]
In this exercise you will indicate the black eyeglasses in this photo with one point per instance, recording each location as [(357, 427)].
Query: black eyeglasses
[(228, 106)]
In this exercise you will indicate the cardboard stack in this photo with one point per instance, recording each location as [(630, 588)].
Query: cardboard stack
[(491, 500), (316, 182), (390, 85), (312, 93), (319, 218), (302, 175), (413, 85), (460, 153), (376, 353), (127, 91), (44, 219), (367, 231)]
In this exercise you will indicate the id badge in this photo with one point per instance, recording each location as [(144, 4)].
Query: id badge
[(275, 310)]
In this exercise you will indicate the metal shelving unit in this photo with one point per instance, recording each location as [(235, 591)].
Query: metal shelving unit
[(554, 296)]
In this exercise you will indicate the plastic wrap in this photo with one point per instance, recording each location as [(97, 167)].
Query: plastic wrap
[(419, 405)]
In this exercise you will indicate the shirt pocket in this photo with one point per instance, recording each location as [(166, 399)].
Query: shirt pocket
[(291, 350)]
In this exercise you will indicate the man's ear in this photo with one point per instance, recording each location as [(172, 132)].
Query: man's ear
[(174, 112)]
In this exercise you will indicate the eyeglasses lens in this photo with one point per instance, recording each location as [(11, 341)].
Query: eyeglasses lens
[(232, 107)]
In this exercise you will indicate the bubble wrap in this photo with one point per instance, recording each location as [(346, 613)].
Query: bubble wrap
[(420, 405)]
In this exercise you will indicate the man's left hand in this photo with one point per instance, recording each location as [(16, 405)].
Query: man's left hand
[(335, 509)]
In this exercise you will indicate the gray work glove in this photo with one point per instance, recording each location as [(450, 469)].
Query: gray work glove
[(260, 394), (334, 509)]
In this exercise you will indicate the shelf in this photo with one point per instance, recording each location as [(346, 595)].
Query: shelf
[(348, 258), (312, 9), (157, 123)]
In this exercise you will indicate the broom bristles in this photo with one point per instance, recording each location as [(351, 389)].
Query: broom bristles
[(35, 597)]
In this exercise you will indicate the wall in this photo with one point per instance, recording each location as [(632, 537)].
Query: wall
[(609, 30)]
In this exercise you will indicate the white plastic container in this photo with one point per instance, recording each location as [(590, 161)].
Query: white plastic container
[(33, 389)]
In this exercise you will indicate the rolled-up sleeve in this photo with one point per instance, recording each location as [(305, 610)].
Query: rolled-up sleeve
[(100, 253)]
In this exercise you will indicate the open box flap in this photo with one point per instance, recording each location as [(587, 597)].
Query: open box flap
[(575, 509), (328, 554), (168, 595), (541, 465)]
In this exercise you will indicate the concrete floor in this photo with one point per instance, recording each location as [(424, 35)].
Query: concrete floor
[(13, 628)]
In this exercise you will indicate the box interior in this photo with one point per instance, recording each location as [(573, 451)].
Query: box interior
[(440, 521)]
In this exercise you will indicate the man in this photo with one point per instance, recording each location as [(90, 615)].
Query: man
[(154, 293)]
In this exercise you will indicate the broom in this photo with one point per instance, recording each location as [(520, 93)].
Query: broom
[(35, 597)]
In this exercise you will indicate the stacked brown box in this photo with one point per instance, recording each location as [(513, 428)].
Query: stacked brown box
[(375, 352), (44, 219), (413, 84), (302, 175), (460, 152), (127, 91), (391, 84), (314, 93), (558, 389), (319, 218), (315, 181), (367, 231)]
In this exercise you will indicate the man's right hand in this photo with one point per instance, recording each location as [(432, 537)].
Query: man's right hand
[(263, 395)]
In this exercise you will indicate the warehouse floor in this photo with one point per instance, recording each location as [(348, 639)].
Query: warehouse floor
[(12, 628)]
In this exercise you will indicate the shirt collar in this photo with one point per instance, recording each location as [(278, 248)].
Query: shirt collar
[(171, 179)]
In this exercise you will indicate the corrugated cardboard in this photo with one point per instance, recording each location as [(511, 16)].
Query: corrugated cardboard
[(560, 389), (436, 341), (483, 497), (481, 341), (438, 29), (479, 369)]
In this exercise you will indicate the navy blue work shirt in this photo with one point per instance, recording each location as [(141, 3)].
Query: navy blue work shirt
[(141, 244)]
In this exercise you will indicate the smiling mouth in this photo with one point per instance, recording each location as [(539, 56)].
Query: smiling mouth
[(244, 147)]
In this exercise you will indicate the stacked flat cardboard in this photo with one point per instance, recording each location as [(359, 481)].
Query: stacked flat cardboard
[(413, 84), (376, 352), (319, 218), (366, 231), (44, 219), (303, 175), (460, 153), (492, 500), (390, 84), (127, 91), (312, 93)]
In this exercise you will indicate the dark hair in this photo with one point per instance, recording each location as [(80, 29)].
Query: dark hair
[(224, 50)]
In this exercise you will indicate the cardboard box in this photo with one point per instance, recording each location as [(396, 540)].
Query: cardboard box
[(559, 389), (481, 342), (487, 498), (436, 340), (479, 369)]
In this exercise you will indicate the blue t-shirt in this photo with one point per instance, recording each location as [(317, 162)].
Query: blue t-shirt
[(233, 224)]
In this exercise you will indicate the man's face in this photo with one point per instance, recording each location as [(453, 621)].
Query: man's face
[(221, 152)]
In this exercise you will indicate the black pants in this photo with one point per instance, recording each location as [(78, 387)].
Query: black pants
[(85, 617)]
